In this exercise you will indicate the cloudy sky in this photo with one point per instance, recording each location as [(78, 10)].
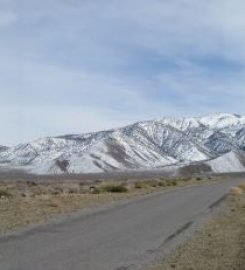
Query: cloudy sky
[(72, 66)]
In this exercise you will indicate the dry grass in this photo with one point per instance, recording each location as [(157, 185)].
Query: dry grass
[(40, 203), (219, 245), (167, 183), (242, 187), (25, 203)]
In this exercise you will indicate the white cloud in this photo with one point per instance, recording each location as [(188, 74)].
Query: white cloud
[(105, 63)]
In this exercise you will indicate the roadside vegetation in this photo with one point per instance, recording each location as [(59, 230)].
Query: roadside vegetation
[(28, 202), (219, 245)]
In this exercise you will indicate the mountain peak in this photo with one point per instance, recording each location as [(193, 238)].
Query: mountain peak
[(221, 120)]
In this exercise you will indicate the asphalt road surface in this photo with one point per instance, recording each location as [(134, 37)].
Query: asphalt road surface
[(126, 235)]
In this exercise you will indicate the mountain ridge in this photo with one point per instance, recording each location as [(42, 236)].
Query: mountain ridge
[(151, 144)]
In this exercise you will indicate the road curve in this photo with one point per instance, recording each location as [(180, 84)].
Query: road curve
[(122, 236)]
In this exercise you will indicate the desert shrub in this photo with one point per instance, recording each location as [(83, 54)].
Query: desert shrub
[(114, 188), (198, 178), (186, 179), (171, 183), (73, 190), (174, 183), (139, 185), (39, 190), (69, 188), (155, 183), (31, 183), (4, 193), (151, 183), (96, 191), (162, 183), (56, 191)]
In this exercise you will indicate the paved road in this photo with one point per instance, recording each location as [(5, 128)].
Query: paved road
[(118, 237)]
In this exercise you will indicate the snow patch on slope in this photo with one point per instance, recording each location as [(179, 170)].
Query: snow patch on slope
[(229, 162)]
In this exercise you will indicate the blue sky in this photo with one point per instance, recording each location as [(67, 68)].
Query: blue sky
[(80, 65)]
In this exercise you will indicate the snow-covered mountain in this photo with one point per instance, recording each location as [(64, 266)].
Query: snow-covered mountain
[(217, 139), (3, 148)]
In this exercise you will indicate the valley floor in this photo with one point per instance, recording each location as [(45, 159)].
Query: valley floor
[(27, 202)]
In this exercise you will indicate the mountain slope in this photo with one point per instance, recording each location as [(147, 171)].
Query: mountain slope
[(143, 145), (3, 148), (230, 162)]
